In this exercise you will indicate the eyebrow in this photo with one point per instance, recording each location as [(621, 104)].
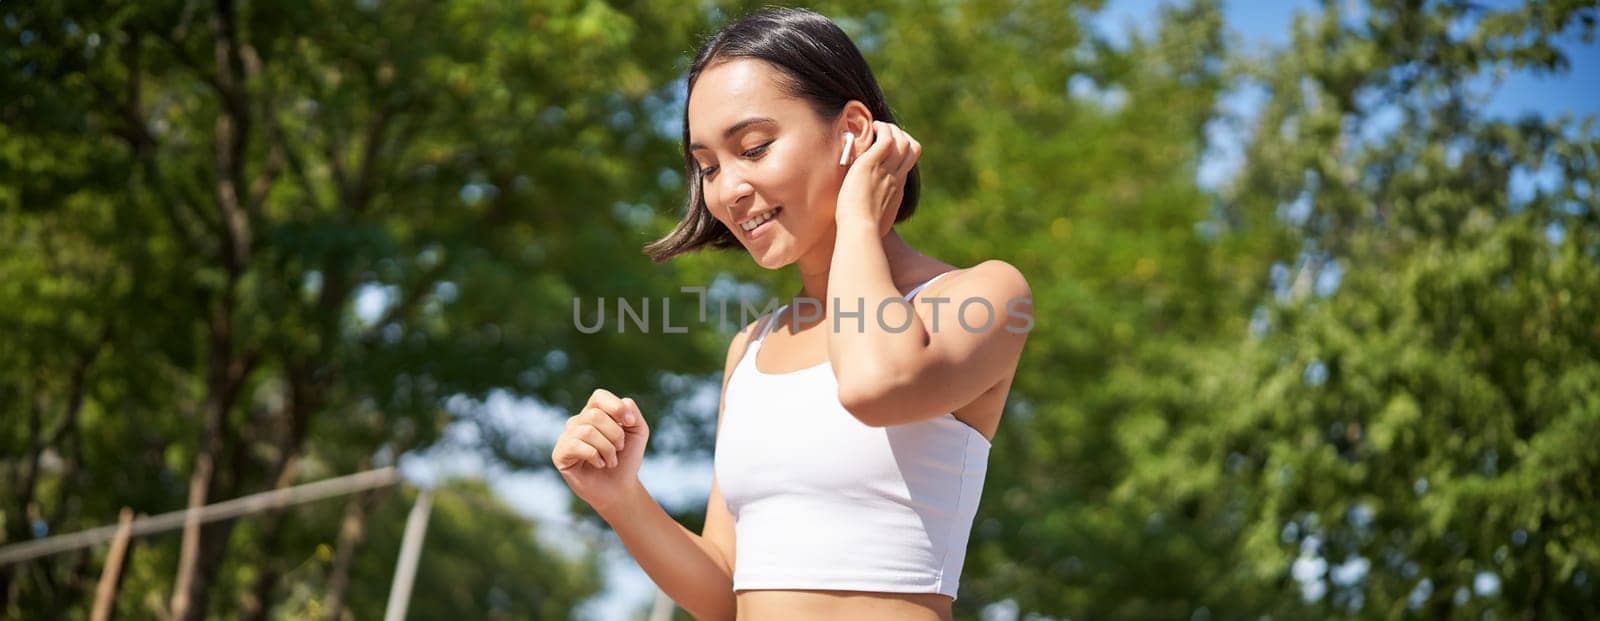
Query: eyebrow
[(734, 129)]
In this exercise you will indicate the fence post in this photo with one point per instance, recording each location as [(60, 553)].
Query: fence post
[(405, 571), (105, 595)]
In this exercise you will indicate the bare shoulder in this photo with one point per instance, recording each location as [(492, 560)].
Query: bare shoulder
[(978, 319), (993, 304), (996, 281), (992, 276)]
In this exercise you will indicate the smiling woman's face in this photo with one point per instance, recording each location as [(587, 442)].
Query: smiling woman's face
[(763, 152)]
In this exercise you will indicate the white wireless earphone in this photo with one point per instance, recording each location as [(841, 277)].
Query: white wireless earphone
[(849, 141)]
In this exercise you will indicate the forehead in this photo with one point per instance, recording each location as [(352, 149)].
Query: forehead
[(732, 91)]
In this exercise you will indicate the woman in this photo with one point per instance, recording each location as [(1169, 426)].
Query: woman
[(852, 437)]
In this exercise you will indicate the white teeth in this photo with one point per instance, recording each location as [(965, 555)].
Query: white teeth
[(751, 225)]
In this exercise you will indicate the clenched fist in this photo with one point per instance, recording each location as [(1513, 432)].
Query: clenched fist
[(600, 451)]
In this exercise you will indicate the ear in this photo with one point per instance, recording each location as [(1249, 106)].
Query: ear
[(856, 119)]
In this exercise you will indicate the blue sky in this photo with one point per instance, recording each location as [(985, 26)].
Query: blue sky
[(1255, 26), (1266, 22)]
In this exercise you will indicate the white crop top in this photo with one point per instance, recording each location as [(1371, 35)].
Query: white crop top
[(822, 501)]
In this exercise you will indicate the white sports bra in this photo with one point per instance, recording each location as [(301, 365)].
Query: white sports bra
[(822, 501)]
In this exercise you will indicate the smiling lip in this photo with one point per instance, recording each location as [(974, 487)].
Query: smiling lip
[(758, 231)]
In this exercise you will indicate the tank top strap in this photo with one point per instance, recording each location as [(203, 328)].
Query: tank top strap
[(760, 336), (767, 327), (917, 288)]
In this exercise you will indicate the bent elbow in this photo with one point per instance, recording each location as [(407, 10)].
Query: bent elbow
[(863, 400)]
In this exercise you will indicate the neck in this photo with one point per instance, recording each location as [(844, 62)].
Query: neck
[(814, 267)]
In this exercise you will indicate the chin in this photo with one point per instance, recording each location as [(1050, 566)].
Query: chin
[(771, 261), (774, 256)]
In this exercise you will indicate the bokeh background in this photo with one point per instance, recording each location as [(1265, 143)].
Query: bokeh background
[(1317, 296)]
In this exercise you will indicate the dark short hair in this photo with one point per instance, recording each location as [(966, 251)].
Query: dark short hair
[(817, 63)]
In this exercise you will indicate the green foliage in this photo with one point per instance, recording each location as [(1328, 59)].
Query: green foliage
[(189, 241), (480, 562), (1357, 380), (1405, 441)]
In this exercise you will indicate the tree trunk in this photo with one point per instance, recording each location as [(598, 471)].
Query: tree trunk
[(352, 529), (202, 547), (227, 371)]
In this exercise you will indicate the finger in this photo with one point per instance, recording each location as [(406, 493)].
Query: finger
[(598, 397), (880, 145), (607, 426), (591, 435), (576, 452), (634, 417), (913, 153), (607, 402), (572, 451), (590, 453), (899, 151)]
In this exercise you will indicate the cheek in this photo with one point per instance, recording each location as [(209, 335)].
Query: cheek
[(805, 180), (801, 182)]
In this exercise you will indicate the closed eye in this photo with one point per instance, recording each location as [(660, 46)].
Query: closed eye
[(752, 153)]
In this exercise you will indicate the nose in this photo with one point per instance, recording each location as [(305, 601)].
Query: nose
[(732, 187)]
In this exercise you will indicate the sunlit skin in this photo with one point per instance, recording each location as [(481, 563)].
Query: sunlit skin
[(792, 161), (787, 158), (836, 220)]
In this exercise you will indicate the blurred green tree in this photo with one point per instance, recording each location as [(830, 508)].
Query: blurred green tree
[(480, 561), (253, 244), (1410, 433), (257, 244)]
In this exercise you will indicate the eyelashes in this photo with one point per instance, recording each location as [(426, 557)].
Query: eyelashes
[(752, 153)]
